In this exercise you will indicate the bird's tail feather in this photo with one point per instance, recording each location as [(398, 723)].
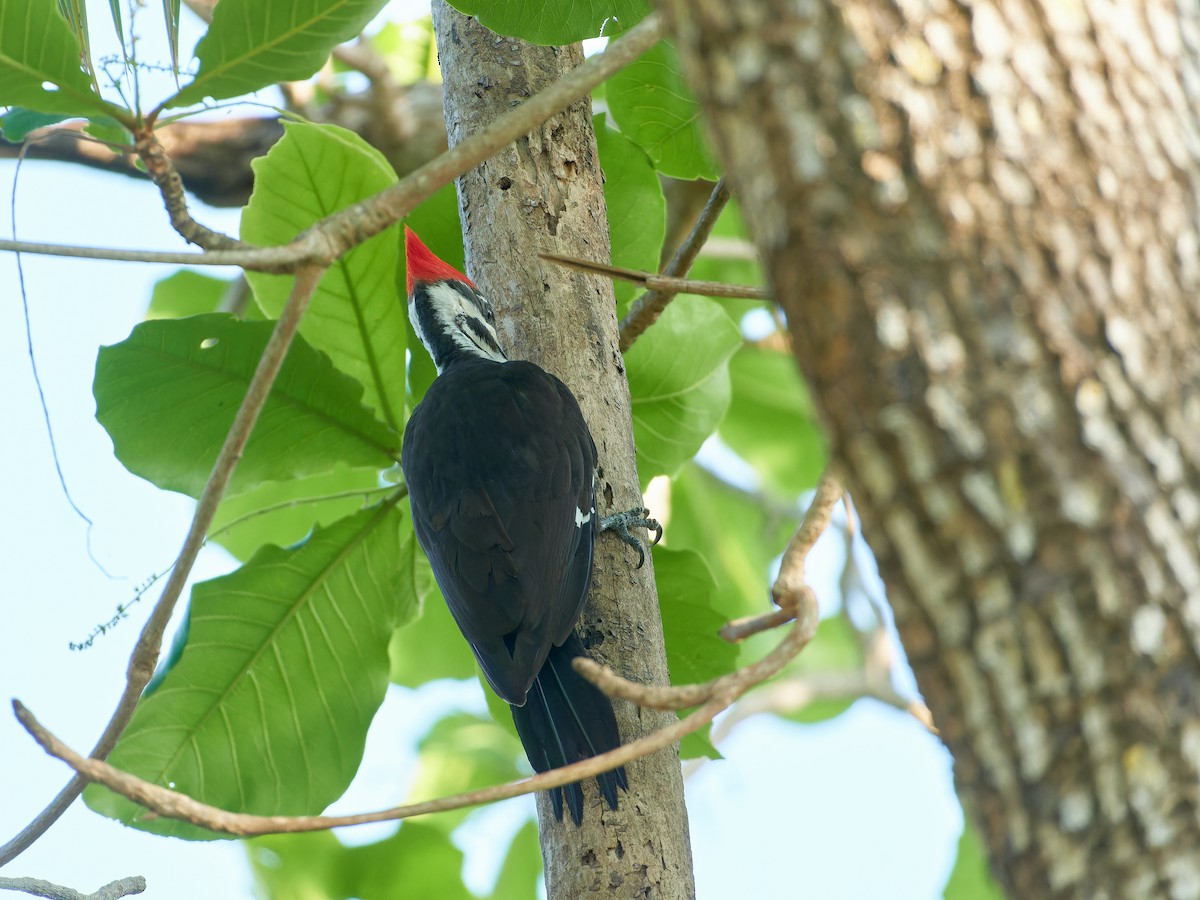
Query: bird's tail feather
[(565, 719)]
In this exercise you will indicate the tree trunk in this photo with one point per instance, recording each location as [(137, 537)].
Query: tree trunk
[(981, 221), (545, 194)]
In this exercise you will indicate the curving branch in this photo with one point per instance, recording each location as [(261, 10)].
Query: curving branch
[(789, 590), (122, 887), (174, 805), (166, 178), (646, 309)]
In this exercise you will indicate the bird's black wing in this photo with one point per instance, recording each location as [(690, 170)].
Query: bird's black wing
[(499, 466)]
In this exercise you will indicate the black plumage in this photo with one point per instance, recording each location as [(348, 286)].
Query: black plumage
[(500, 465)]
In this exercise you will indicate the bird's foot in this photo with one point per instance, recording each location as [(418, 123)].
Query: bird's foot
[(622, 523)]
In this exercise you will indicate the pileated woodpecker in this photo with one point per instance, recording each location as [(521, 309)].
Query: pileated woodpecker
[(500, 468)]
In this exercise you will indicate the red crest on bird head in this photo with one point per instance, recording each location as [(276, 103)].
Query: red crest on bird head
[(422, 265)]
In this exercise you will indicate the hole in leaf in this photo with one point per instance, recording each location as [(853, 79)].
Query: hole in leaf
[(208, 343), (49, 86)]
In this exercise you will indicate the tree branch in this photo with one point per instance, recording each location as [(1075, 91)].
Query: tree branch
[(122, 887), (647, 308), (660, 285), (149, 644), (174, 805), (789, 589), (166, 178)]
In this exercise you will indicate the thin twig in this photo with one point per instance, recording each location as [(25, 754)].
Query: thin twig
[(647, 308), (145, 653), (122, 887), (789, 585), (166, 178), (662, 284), (256, 259)]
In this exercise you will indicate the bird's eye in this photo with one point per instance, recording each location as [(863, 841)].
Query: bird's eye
[(488, 312)]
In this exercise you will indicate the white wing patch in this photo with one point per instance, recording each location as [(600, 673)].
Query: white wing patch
[(581, 519)]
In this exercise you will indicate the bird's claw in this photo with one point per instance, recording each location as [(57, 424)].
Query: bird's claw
[(622, 523)]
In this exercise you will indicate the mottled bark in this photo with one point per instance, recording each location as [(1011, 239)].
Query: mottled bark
[(981, 220), (544, 193)]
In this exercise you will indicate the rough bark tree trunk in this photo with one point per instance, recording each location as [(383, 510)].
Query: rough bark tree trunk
[(981, 220), (545, 194)]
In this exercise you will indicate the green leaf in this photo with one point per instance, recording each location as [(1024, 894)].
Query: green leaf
[(430, 646), (697, 745), (551, 23), (637, 211), (735, 535), (283, 512), (971, 879), (75, 12), (418, 861), (285, 665), (167, 396), (109, 130), (652, 105), (409, 50), (771, 423), (522, 867), (679, 382), (252, 44), (420, 857), (821, 710), (695, 650), (186, 293), (38, 48), (357, 315), (835, 648), (16, 124), (463, 752), (114, 7), (171, 17)]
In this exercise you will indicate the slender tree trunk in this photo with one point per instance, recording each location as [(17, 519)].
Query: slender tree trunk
[(543, 194), (981, 220)]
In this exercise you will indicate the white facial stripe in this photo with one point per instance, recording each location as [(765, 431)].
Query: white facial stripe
[(450, 308), (416, 324)]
